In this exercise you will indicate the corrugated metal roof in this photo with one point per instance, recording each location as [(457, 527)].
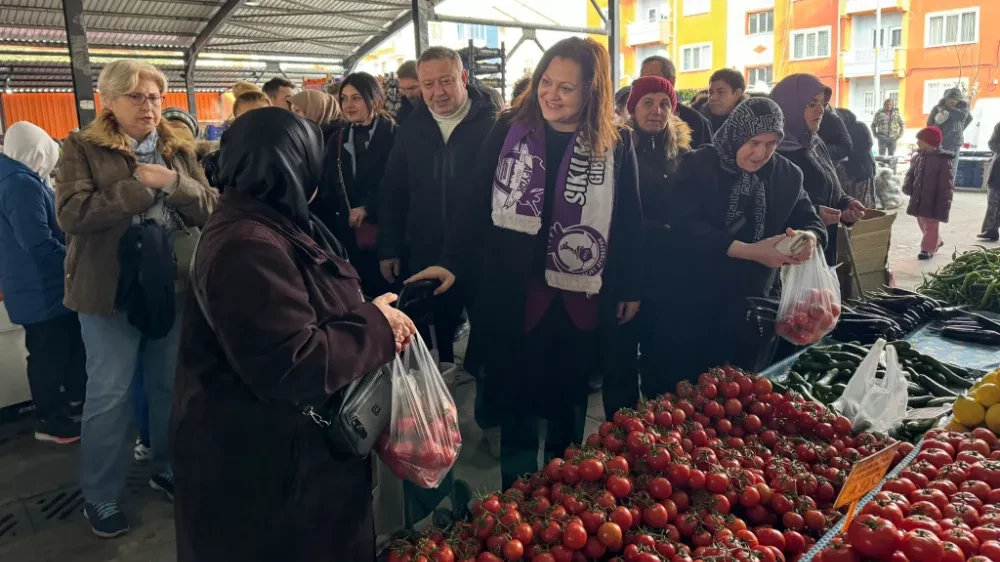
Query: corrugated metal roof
[(330, 30)]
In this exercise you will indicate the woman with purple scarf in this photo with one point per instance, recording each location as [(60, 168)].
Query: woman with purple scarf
[(733, 202), (552, 221), (803, 99)]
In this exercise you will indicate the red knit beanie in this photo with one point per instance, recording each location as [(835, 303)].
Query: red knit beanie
[(650, 85), (930, 135)]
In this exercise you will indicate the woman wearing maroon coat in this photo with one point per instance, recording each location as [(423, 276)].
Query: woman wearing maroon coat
[(255, 479)]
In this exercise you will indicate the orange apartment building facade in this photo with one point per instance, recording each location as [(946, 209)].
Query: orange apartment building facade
[(924, 47)]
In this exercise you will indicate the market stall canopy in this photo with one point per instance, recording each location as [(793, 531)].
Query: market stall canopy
[(233, 39)]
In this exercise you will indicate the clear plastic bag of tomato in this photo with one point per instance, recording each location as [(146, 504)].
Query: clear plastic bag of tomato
[(423, 440), (810, 301)]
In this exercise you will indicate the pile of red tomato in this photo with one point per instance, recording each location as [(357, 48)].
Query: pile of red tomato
[(725, 470), (810, 318), (944, 507)]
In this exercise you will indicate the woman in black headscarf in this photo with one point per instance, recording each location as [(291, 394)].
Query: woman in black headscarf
[(734, 201), (255, 479), (857, 172), (803, 99)]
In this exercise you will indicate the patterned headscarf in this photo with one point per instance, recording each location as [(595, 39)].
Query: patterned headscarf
[(750, 118)]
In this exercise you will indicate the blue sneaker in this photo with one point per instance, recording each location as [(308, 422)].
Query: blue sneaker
[(106, 519)]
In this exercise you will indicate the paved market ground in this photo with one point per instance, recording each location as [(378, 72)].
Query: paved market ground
[(40, 517)]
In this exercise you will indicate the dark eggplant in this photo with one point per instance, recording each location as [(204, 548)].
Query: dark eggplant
[(984, 337), (986, 322), (949, 312)]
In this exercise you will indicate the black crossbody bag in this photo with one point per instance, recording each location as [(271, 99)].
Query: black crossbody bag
[(353, 418)]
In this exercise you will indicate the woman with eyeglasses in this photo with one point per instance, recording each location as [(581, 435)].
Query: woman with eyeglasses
[(803, 99), (127, 172)]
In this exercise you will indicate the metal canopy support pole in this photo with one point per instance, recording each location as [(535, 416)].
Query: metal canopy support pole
[(614, 40), (191, 56), (83, 82), (420, 11)]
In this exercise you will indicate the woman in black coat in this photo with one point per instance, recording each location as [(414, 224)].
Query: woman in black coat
[(552, 220), (857, 173), (803, 99), (355, 161), (733, 201)]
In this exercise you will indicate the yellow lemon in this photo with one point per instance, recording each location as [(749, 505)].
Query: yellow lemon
[(989, 378), (969, 412), (993, 418), (988, 394), (956, 427)]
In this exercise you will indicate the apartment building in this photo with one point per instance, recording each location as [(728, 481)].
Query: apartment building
[(918, 49)]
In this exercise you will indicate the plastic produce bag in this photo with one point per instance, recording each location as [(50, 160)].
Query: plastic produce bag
[(810, 301), (423, 440), (875, 404)]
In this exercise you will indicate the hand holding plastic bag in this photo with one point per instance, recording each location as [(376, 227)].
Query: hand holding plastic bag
[(810, 301), (423, 440), (875, 404)]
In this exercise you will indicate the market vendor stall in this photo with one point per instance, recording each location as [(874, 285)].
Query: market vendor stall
[(765, 468)]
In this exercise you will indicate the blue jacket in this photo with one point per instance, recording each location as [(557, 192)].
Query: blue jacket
[(32, 246)]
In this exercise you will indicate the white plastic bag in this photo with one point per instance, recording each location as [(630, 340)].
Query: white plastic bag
[(875, 404), (423, 440), (810, 301)]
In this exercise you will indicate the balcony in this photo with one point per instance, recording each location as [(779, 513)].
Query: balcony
[(863, 6), (649, 33), (862, 62)]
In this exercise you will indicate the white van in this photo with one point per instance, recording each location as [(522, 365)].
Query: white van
[(985, 116)]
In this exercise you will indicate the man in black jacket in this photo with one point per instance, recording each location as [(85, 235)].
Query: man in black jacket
[(701, 129), (431, 160), (409, 87)]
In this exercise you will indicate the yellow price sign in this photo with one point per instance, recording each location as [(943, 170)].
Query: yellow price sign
[(866, 474)]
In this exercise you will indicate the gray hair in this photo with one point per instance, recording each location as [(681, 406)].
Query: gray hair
[(122, 77)]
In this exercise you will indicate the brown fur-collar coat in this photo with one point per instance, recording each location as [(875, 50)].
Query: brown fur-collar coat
[(97, 195)]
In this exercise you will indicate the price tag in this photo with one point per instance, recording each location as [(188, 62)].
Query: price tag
[(927, 413), (866, 474)]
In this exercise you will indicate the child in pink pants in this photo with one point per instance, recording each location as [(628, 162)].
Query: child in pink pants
[(930, 182)]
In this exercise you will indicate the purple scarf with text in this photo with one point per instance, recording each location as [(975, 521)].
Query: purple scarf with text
[(583, 201)]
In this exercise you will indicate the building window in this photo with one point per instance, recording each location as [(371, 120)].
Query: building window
[(934, 90), (436, 31), (695, 7), (760, 75), (696, 57), (894, 96), (895, 37), (811, 43), (474, 32), (868, 103), (956, 27), (760, 22)]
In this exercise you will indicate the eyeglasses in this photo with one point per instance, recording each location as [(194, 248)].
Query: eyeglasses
[(138, 99)]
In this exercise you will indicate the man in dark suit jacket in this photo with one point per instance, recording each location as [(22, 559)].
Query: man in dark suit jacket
[(701, 128)]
